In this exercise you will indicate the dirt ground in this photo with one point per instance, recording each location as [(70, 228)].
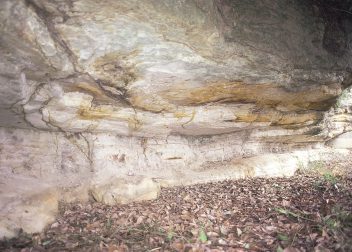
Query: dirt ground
[(307, 212)]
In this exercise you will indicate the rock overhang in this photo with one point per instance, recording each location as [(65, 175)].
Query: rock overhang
[(170, 92)]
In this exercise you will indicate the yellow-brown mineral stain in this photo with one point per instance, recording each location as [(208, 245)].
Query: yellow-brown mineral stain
[(134, 123), (275, 117), (109, 113), (312, 97), (116, 68), (148, 102), (95, 113), (293, 139), (91, 89), (184, 114)]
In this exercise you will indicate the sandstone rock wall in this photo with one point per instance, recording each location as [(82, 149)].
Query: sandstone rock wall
[(113, 99)]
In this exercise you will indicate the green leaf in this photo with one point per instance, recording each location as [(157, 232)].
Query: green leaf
[(279, 249), (46, 243), (202, 235), (283, 237), (170, 235), (108, 224), (287, 212), (281, 210)]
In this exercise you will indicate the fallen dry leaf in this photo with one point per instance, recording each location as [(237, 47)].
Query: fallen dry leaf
[(244, 215)]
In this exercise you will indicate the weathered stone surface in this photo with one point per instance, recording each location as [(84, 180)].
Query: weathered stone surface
[(343, 141), (338, 120), (53, 156), (27, 204), (125, 190), (117, 98), (145, 68)]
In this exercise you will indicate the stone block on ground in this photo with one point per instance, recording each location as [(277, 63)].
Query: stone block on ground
[(125, 190), (26, 204)]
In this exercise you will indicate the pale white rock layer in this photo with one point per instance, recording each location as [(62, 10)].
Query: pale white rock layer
[(27, 204), (343, 141), (41, 168)]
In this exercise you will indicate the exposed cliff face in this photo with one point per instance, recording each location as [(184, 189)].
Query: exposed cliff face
[(120, 97)]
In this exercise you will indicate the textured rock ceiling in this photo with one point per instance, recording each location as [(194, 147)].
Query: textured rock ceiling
[(115, 98), (155, 68)]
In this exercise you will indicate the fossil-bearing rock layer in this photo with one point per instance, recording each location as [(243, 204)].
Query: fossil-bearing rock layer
[(112, 99)]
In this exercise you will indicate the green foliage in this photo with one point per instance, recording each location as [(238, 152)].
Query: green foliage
[(337, 219), (170, 235), (202, 235), (291, 214), (108, 224), (279, 249), (330, 178), (283, 237), (286, 212), (333, 224), (45, 243), (316, 166), (327, 181)]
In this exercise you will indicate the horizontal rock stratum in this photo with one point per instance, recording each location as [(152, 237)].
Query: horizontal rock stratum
[(111, 100)]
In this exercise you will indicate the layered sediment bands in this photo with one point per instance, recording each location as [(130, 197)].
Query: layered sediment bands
[(317, 97), (113, 99), (89, 108), (123, 66)]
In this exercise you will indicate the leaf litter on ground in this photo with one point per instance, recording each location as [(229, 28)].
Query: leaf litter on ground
[(306, 212)]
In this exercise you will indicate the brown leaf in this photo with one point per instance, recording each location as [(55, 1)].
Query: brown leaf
[(179, 246), (140, 219), (313, 236), (286, 203)]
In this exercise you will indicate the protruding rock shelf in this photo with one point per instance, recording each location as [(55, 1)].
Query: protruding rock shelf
[(110, 100)]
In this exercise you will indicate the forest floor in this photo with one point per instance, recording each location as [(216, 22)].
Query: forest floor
[(307, 212)]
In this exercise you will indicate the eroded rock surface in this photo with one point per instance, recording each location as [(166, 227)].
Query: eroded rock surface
[(26, 204), (95, 94), (122, 191)]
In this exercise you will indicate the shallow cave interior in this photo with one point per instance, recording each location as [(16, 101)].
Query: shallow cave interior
[(111, 100)]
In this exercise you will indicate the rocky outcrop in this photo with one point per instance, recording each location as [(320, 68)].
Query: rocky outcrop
[(27, 204), (113, 99)]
